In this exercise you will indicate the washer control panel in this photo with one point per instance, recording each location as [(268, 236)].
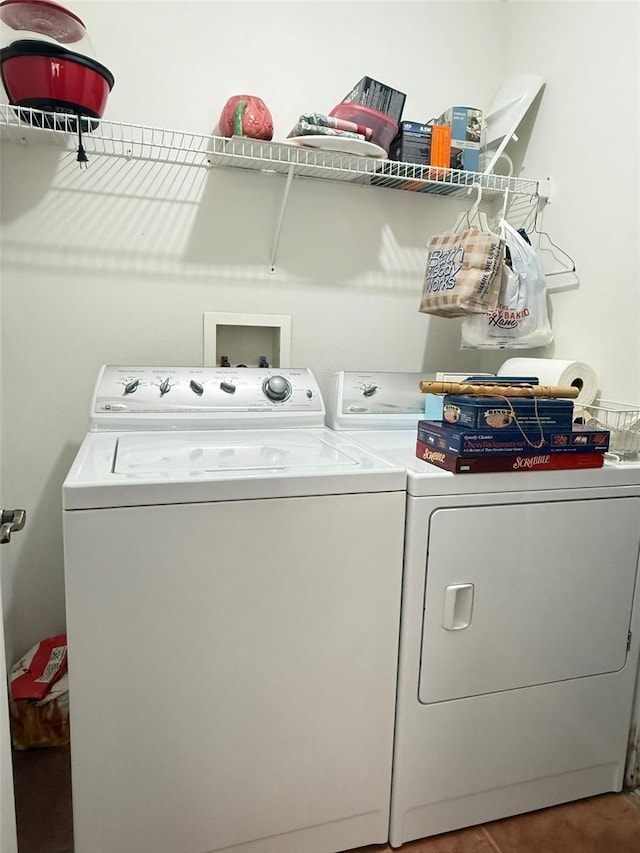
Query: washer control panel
[(205, 397)]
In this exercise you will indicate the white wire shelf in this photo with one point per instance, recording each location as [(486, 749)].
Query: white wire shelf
[(116, 139)]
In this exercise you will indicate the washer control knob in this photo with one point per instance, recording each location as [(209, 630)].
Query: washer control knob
[(369, 390), (165, 387), (277, 388), (196, 387), (228, 387), (132, 386)]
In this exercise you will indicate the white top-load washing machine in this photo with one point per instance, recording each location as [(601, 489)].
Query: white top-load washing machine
[(233, 576), (519, 629)]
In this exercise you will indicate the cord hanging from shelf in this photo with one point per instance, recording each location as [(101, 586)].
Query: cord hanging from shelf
[(81, 155)]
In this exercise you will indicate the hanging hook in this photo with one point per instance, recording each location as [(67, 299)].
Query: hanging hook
[(478, 187), (473, 210), (503, 212), (541, 233)]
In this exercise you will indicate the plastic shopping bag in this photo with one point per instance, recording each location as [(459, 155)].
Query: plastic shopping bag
[(462, 275), (520, 319)]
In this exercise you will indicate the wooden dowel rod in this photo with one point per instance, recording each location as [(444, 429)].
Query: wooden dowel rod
[(554, 391)]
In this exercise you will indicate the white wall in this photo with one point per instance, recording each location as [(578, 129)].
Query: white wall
[(117, 263), (586, 137)]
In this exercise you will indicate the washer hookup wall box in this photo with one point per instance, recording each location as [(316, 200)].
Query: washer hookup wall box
[(243, 338)]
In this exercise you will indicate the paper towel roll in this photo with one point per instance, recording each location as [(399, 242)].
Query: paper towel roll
[(582, 416), (556, 371)]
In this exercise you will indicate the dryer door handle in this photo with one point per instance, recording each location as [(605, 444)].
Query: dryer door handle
[(458, 606)]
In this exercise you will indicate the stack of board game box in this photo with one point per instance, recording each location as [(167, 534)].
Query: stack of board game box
[(497, 433)]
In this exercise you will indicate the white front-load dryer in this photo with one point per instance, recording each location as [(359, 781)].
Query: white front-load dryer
[(233, 576), (520, 625)]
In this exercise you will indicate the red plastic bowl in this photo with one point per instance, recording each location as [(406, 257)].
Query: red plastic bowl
[(384, 128), (47, 77)]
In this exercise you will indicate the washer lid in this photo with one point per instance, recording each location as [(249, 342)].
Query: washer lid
[(193, 466), (227, 450)]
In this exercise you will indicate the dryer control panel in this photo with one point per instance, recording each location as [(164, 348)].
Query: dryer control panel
[(375, 400), (204, 398)]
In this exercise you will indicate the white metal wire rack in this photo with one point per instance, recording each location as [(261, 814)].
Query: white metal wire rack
[(116, 139), (26, 126), (623, 422)]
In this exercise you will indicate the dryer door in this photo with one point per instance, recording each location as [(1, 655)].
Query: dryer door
[(527, 594)]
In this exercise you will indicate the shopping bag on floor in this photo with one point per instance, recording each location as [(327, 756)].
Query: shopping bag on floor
[(39, 696)]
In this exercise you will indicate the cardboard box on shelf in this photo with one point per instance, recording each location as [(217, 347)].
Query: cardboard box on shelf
[(412, 144), (441, 145), (377, 96), (427, 147), (424, 144), (466, 127)]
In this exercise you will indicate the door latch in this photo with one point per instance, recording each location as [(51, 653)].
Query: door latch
[(11, 520)]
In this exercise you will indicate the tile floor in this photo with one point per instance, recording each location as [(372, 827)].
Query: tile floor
[(609, 823), (606, 824)]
